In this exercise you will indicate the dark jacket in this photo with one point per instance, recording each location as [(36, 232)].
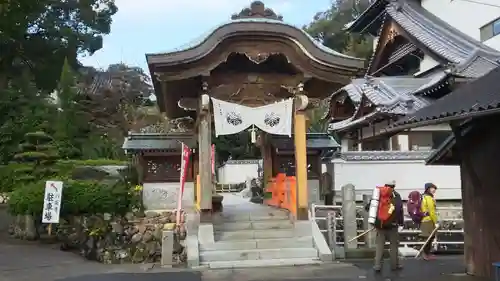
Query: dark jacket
[(399, 217)]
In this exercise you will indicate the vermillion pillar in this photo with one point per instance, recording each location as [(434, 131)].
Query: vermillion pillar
[(300, 129), (205, 165)]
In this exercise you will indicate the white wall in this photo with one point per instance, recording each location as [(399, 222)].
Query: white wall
[(237, 173), (426, 63), (409, 176), (163, 196), (467, 16)]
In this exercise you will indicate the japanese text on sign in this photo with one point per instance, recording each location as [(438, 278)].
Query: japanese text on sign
[(52, 201)]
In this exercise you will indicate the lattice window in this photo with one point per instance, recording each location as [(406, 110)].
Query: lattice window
[(162, 168)]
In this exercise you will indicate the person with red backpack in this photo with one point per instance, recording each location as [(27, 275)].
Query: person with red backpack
[(389, 218)]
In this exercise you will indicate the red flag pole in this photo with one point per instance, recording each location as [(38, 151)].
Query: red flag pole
[(184, 169)]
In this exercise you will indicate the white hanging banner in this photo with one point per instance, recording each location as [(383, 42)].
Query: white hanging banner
[(274, 118), (230, 118)]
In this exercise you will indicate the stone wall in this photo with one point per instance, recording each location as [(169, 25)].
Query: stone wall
[(109, 239)]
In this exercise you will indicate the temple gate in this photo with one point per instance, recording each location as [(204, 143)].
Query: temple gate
[(253, 60)]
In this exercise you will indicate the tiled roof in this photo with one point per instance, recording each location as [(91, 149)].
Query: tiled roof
[(100, 81), (479, 97), (384, 155), (399, 95), (200, 40), (318, 141), (349, 122), (435, 34), (388, 92), (146, 141)]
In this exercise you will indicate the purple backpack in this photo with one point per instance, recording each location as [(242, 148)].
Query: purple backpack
[(413, 206)]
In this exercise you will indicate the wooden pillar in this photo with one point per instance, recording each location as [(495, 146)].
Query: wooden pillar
[(267, 157), (204, 150), (478, 152), (300, 130)]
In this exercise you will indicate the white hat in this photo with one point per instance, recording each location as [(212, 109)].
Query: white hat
[(391, 183)]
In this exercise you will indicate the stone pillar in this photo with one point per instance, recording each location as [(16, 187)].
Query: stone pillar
[(403, 142), (300, 130), (330, 168), (204, 152), (167, 248), (370, 236), (349, 216), (345, 144)]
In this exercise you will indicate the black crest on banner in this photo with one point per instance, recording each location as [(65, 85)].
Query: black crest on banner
[(234, 118), (271, 119)]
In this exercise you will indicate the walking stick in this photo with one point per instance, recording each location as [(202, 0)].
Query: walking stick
[(427, 241), (361, 235)]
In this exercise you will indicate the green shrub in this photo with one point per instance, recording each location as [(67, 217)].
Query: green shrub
[(79, 198), (16, 174), (92, 162)]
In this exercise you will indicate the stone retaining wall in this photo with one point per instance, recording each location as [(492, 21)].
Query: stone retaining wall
[(108, 239)]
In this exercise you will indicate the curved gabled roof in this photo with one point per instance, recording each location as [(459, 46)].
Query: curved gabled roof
[(470, 57), (265, 27)]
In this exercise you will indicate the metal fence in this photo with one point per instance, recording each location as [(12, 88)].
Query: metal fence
[(449, 238)]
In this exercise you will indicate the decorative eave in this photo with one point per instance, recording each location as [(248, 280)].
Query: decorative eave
[(392, 96), (259, 34), (475, 99), (353, 122), (435, 36), (257, 22)]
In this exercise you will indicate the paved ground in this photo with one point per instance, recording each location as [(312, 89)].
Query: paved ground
[(23, 261)]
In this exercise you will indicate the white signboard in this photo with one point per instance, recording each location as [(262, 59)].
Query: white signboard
[(52, 201)]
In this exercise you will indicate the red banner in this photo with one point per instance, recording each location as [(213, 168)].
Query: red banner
[(186, 153), (212, 155)]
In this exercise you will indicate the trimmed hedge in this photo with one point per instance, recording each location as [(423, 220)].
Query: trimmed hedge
[(10, 175), (79, 198)]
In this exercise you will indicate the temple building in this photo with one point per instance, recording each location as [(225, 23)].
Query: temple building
[(419, 56)]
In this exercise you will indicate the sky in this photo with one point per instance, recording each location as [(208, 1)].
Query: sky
[(152, 26)]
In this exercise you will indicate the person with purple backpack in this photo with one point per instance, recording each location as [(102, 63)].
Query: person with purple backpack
[(422, 210)]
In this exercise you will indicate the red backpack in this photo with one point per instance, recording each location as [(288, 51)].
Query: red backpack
[(414, 207), (385, 201)]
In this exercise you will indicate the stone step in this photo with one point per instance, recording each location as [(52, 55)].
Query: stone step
[(252, 216), (262, 263), (258, 254), (255, 234), (298, 242), (254, 225)]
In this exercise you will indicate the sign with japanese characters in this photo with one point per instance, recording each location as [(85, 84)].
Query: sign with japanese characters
[(52, 201)]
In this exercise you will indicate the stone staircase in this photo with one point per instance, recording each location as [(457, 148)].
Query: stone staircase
[(255, 237)]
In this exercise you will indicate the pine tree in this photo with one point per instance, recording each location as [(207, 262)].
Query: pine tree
[(24, 108), (39, 154)]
